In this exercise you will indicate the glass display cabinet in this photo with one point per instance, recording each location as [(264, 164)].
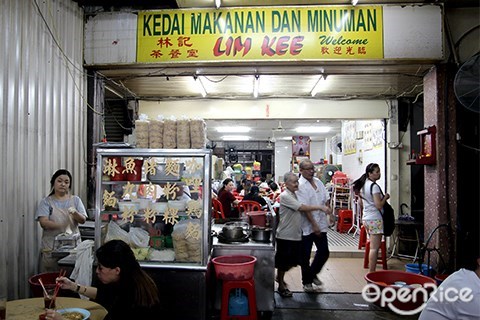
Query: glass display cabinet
[(158, 201)]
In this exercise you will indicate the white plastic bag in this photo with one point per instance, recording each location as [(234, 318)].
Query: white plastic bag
[(114, 232), (139, 238), (82, 272)]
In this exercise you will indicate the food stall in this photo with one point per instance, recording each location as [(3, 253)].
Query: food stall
[(264, 273), (158, 201)]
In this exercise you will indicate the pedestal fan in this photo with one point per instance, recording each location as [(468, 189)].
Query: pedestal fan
[(467, 84)]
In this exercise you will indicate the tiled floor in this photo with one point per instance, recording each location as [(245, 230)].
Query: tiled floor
[(343, 273), (344, 270), (340, 274)]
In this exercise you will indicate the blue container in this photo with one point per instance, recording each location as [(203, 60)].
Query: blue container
[(237, 303), (413, 268)]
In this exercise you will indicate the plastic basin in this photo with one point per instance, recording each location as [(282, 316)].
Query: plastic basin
[(235, 267), (48, 279), (440, 278), (413, 268), (387, 278)]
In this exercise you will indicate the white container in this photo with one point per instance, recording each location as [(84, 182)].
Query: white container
[(128, 205), (180, 205), (144, 203), (159, 207)]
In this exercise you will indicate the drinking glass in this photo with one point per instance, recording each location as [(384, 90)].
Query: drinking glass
[(48, 298)]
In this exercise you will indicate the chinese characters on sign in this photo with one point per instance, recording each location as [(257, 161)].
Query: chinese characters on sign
[(248, 34), (132, 191)]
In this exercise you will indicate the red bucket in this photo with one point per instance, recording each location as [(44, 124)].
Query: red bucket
[(234, 267), (257, 218), (48, 279)]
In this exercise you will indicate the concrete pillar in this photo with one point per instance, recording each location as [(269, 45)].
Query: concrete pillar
[(440, 179)]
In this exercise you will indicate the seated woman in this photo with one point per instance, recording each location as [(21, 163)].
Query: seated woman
[(125, 290), (274, 191), (253, 195), (228, 200), (247, 184)]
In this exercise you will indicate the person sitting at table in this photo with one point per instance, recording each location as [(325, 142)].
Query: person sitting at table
[(124, 289), (263, 185), (253, 195), (274, 191), (228, 200), (246, 185), (458, 296)]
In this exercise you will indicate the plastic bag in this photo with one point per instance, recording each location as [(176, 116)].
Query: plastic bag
[(115, 232), (186, 248), (139, 238), (82, 272)]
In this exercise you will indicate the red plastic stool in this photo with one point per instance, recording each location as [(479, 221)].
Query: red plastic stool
[(345, 220), (383, 257), (363, 238), (249, 286)]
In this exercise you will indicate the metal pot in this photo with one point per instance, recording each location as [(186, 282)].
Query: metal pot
[(261, 234), (234, 230)]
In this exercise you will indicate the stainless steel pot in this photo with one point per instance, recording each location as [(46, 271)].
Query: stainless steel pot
[(235, 230), (261, 234)]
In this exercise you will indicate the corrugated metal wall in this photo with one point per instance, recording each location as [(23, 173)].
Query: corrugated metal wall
[(43, 123)]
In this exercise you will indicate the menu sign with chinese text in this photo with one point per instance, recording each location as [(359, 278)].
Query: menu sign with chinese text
[(249, 34)]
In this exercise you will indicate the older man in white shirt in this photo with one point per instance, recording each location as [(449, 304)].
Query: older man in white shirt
[(311, 191)]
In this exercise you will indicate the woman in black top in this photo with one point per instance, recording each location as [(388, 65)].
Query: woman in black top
[(254, 196), (125, 290)]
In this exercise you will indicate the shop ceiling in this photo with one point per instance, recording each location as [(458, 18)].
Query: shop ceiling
[(343, 81)]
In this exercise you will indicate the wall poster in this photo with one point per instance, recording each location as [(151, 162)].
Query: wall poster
[(349, 144)]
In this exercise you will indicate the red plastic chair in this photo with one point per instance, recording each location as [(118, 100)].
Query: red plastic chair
[(248, 205), (217, 209)]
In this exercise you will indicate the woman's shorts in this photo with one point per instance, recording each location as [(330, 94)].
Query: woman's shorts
[(373, 226), (288, 254)]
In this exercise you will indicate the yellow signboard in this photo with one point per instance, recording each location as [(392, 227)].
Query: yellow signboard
[(260, 34)]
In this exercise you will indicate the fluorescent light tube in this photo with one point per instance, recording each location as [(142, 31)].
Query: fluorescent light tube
[(235, 138), (256, 84), (312, 129), (233, 129), (318, 85)]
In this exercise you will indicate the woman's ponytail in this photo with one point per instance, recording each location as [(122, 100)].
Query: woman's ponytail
[(360, 182)]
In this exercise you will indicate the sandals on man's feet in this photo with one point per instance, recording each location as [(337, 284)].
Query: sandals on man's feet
[(284, 283), (285, 293)]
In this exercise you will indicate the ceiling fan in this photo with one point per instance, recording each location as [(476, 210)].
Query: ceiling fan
[(272, 139), (279, 128)]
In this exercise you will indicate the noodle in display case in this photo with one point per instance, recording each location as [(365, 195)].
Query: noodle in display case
[(164, 212)]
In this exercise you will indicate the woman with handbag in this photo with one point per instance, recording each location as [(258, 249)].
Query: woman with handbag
[(373, 201)]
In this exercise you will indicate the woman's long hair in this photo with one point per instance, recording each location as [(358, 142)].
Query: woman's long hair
[(116, 253), (254, 190), (360, 182), (224, 184), (59, 172)]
